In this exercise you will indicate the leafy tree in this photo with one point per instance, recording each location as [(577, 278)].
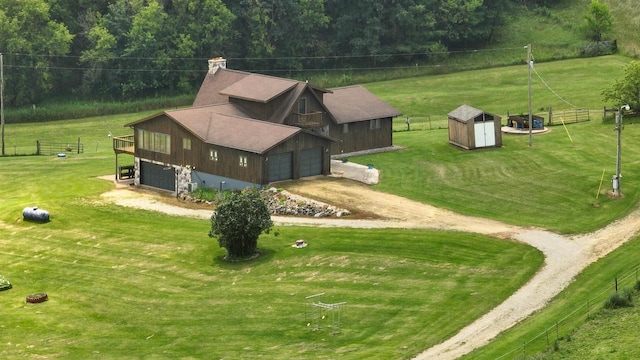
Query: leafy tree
[(626, 90), (148, 52), (200, 29), (238, 221), (280, 29), (107, 37), (30, 39), (598, 21)]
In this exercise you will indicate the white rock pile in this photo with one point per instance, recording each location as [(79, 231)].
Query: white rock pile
[(285, 203)]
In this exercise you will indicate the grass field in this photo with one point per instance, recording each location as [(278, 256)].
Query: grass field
[(124, 283), (128, 283)]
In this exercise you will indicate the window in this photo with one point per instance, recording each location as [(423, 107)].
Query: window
[(153, 141), (302, 106), (345, 128), (213, 155), (186, 143), (375, 124), (243, 161)]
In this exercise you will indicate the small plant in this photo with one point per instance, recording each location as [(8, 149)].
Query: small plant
[(4, 284), (204, 193), (620, 299)]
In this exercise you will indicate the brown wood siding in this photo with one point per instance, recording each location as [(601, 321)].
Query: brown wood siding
[(360, 136), (295, 145), (163, 125), (460, 133), (228, 163), (313, 105)]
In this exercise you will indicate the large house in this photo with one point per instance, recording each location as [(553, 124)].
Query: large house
[(247, 129)]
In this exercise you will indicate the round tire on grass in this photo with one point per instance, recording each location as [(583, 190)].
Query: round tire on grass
[(37, 297)]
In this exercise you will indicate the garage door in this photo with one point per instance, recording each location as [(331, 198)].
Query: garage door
[(311, 162), (156, 176), (280, 166)]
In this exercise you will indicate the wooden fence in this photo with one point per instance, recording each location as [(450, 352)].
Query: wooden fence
[(559, 117), (554, 117), (44, 148), (561, 328)]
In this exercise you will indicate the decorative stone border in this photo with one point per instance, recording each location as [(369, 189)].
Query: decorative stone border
[(37, 297)]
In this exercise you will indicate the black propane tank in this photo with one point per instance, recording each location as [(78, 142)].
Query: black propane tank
[(35, 214)]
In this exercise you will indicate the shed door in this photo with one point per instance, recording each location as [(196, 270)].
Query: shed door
[(156, 176), (311, 162), (484, 134), (280, 166)]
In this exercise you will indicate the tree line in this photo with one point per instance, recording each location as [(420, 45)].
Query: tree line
[(122, 49)]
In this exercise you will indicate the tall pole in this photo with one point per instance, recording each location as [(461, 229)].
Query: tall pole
[(618, 177), (616, 191), (2, 99), (530, 65)]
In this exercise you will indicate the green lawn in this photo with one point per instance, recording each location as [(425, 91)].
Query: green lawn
[(609, 335), (125, 283)]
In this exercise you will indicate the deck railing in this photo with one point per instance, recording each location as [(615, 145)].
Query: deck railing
[(308, 120), (124, 144)]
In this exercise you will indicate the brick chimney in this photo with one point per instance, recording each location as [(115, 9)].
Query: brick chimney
[(217, 63)]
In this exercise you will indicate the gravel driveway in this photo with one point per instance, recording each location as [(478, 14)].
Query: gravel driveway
[(565, 256)]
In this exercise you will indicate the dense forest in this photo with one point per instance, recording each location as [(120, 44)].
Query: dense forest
[(123, 49)]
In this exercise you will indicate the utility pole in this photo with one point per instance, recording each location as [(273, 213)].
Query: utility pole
[(2, 99), (530, 65), (617, 178)]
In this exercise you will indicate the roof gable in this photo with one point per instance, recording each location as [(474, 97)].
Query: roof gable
[(212, 85), (355, 103), (464, 113), (259, 88), (232, 130)]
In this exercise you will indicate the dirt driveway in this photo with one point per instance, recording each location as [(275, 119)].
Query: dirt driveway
[(565, 257)]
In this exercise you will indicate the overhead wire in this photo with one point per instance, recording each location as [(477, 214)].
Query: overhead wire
[(550, 89)]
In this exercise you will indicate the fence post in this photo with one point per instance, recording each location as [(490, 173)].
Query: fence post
[(550, 122), (78, 145), (616, 284), (37, 147), (547, 338)]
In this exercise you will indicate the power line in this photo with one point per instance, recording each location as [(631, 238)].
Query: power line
[(553, 91), (323, 57)]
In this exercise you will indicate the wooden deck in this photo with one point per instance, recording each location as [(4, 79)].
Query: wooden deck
[(124, 144)]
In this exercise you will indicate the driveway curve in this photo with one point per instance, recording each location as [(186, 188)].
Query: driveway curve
[(565, 256)]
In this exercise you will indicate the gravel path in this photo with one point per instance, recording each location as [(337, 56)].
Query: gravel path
[(565, 256)]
